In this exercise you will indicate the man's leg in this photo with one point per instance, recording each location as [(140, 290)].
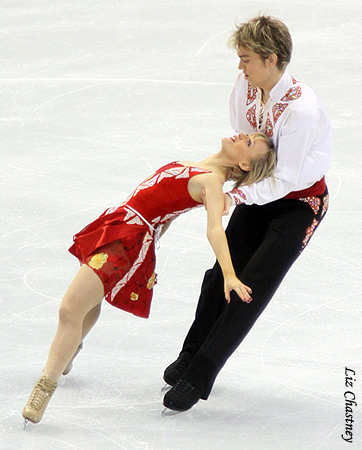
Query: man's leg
[(263, 273), (246, 230), (253, 223), (290, 226)]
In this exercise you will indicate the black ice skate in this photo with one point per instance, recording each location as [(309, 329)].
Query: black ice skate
[(175, 370), (182, 396)]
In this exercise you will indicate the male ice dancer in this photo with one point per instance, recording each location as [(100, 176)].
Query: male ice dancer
[(273, 220)]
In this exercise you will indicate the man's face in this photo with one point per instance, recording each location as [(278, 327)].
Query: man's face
[(255, 69)]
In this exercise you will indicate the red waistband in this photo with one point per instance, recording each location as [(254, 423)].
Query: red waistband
[(317, 188)]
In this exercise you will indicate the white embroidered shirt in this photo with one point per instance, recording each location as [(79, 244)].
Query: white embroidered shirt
[(298, 124)]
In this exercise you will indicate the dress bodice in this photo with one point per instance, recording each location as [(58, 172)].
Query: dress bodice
[(164, 195)]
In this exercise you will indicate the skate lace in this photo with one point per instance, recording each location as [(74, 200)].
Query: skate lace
[(183, 386), (41, 393)]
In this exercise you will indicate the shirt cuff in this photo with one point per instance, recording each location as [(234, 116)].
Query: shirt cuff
[(237, 196)]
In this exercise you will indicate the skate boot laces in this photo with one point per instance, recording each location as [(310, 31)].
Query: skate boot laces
[(42, 391), (183, 386), (39, 399)]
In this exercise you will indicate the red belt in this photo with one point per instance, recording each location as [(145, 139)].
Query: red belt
[(317, 188)]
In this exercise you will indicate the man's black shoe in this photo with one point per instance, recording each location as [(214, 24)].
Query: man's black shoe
[(175, 370), (182, 396)]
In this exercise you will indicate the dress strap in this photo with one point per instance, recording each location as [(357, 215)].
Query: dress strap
[(140, 216), (157, 231)]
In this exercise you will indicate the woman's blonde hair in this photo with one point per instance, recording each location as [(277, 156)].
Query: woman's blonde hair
[(264, 35), (261, 167)]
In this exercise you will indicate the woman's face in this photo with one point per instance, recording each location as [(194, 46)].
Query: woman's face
[(245, 148)]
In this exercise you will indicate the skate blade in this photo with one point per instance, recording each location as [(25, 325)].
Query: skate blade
[(169, 412), (26, 423), (166, 387)]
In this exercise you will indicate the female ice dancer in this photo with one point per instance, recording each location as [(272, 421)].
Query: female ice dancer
[(117, 250)]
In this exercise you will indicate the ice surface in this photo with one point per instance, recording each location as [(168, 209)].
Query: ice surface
[(94, 97)]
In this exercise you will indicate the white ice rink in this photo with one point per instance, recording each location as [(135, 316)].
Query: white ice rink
[(94, 96)]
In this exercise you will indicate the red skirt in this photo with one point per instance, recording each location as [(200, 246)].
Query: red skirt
[(122, 254)]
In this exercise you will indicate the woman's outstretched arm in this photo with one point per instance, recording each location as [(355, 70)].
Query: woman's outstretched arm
[(214, 197)]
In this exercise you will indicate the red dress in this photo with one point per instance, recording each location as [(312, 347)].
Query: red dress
[(120, 245)]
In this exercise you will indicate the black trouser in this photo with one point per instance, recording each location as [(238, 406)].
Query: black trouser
[(264, 242)]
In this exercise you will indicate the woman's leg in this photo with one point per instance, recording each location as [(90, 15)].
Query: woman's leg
[(78, 312), (90, 320), (88, 323)]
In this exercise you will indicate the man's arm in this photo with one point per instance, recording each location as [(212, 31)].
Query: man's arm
[(299, 165)]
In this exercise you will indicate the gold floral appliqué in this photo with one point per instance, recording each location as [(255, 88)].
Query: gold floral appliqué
[(134, 297), (152, 281), (98, 260)]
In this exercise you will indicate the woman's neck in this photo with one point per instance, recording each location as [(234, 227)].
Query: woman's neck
[(213, 163), (216, 163)]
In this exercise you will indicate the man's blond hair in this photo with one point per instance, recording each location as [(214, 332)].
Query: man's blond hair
[(264, 35)]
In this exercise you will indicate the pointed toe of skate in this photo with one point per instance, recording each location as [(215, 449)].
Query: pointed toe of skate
[(30, 415)]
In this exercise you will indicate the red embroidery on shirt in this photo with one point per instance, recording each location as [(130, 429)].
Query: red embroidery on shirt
[(293, 94), (251, 116), (268, 126), (294, 80), (238, 196), (251, 94), (278, 110)]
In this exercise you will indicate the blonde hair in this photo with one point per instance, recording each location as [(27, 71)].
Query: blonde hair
[(264, 35), (261, 167)]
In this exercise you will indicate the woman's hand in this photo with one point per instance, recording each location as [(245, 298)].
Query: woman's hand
[(232, 283)]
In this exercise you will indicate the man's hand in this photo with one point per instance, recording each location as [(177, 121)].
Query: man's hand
[(203, 198), (227, 204)]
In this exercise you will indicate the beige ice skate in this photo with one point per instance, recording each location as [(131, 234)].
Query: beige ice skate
[(39, 399), (70, 364)]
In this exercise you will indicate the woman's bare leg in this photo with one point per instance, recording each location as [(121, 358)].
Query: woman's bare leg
[(88, 323), (90, 320), (78, 312)]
